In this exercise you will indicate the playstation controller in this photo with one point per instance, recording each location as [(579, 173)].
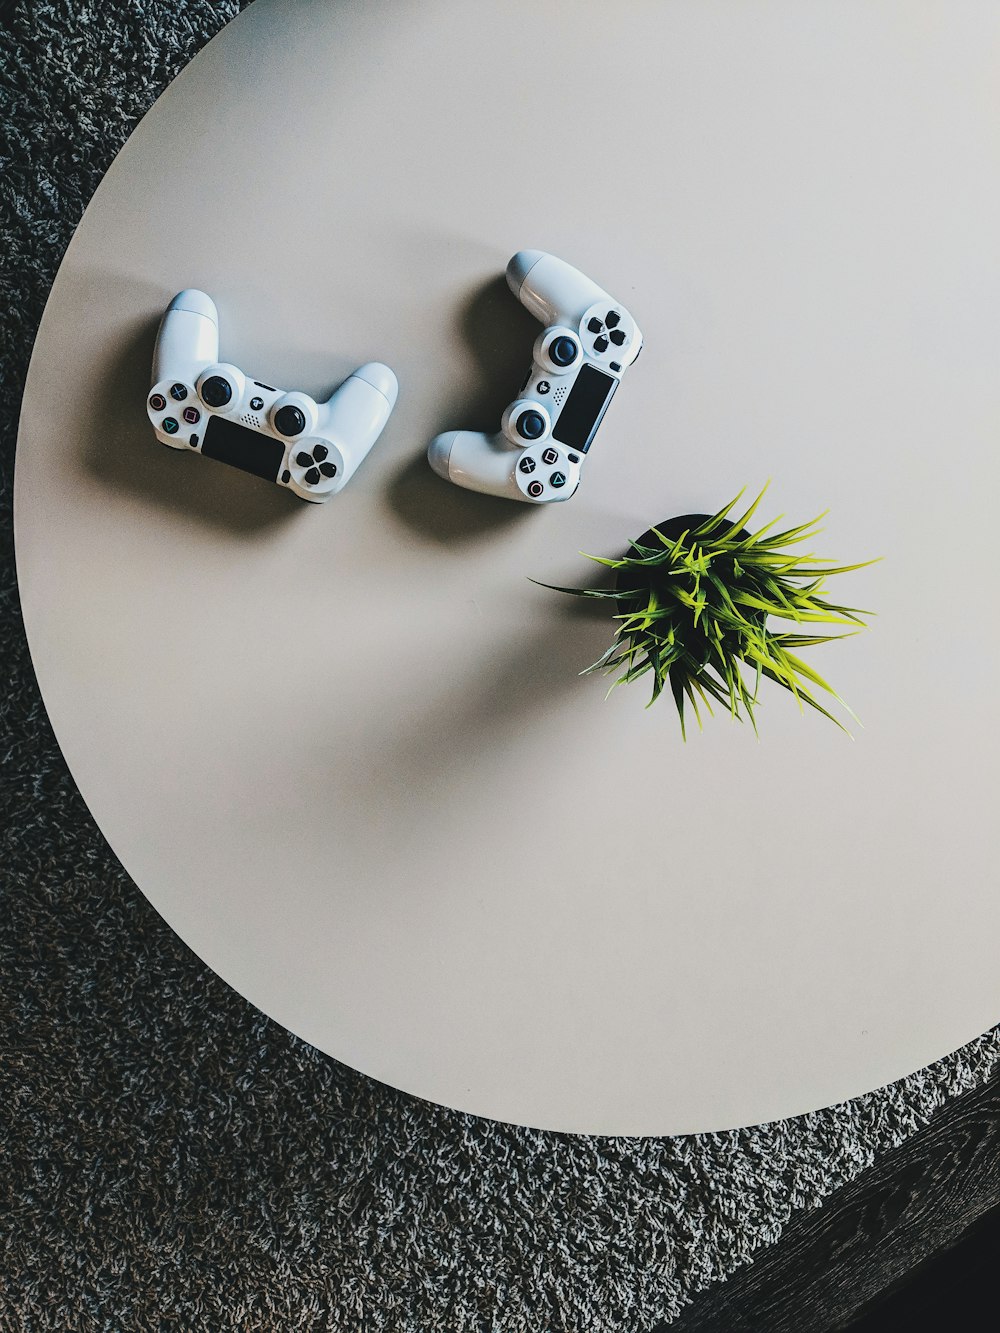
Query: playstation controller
[(588, 342), (205, 406)]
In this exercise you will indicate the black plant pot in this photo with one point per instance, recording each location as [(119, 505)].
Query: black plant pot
[(698, 648)]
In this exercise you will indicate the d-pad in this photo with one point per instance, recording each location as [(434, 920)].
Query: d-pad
[(316, 464), (607, 330)]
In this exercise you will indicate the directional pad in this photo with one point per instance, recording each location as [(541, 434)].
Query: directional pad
[(314, 461), (608, 329)]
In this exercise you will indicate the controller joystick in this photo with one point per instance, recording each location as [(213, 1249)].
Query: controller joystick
[(205, 406), (587, 343)]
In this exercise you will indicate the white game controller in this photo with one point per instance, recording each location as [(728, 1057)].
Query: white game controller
[(588, 343), (209, 407)]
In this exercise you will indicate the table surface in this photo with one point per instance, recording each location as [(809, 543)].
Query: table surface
[(345, 750)]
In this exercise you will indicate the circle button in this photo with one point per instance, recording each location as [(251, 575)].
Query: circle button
[(157, 402), (535, 489)]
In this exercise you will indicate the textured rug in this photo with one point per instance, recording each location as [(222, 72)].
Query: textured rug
[(171, 1159)]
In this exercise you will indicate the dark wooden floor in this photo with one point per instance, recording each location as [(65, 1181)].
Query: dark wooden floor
[(856, 1261), (950, 1291)]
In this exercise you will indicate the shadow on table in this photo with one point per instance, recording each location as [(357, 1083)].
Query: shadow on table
[(500, 333), (465, 728), (123, 453)]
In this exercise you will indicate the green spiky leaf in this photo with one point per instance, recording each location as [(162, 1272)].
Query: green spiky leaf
[(694, 611)]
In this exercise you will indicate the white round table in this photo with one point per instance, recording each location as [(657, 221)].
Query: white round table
[(345, 749)]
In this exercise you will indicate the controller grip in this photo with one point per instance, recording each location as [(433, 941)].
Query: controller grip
[(550, 288), (483, 463), (188, 338), (356, 415)]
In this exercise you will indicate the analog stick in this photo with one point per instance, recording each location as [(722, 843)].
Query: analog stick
[(530, 425), (289, 420), (562, 351), (216, 391)]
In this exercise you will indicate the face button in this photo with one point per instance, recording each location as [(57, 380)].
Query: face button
[(256, 404), (562, 351), (557, 479), (290, 420), (550, 456), (535, 489), (328, 469), (530, 425), (216, 391), (304, 460), (157, 402), (612, 319), (178, 392), (312, 476), (320, 452), (601, 344), (169, 426), (527, 465), (191, 415), (543, 386), (286, 476)]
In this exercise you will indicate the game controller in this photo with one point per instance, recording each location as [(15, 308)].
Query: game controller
[(205, 406), (588, 342)]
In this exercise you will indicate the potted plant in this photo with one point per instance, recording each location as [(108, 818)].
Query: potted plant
[(694, 598)]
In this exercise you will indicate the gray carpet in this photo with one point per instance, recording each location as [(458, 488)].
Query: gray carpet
[(171, 1159)]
